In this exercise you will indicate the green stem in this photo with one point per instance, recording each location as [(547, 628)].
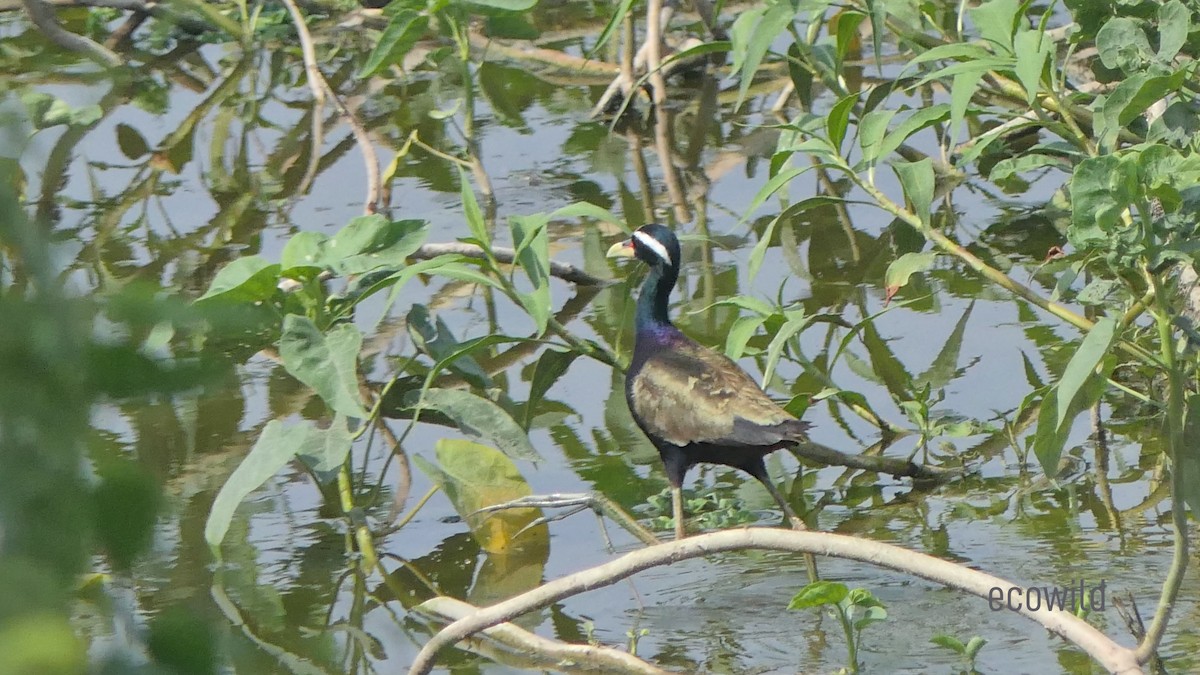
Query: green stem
[(362, 536), (1175, 420)]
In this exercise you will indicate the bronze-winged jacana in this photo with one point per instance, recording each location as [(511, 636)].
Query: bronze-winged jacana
[(694, 404)]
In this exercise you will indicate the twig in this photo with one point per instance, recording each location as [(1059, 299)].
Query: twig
[(43, 17), (654, 30), (320, 87), (315, 84), (589, 657), (507, 256), (1097, 645)]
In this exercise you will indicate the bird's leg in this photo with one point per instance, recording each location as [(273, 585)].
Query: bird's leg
[(763, 477), (677, 510)]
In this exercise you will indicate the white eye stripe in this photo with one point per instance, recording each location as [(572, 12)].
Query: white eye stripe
[(654, 245)]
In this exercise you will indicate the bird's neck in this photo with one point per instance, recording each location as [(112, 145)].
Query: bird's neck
[(655, 298)]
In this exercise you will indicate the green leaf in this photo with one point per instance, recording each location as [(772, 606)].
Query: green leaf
[(871, 615), (477, 416), (550, 366), (912, 124), (1123, 45), (839, 117), (973, 646), (949, 642), (131, 142), (245, 280), (819, 593), (587, 210), (1101, 188), (1188, 461), (326, 362), (740, 333), (303, 251), (371, 242), (275, 447), (751, 36), (796, 322), (475, 476), (473, 213), (1083, 363), (402, 32), (871, 130), (613, 23), (1008, 167), (917, 180), (1098, 291), (439, 342), (997, 21), (504, 5), (847, 33), (1174, 23), (902, 268), (1032, 50), (962, 90), (945, 365), (325, 450), (533, 257), (759, 252)]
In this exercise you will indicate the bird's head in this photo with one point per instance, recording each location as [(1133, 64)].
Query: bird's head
[(653, 244)]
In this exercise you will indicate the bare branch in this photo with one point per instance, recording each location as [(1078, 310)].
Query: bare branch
[(564, 271), (43, 17), (1097, 645)]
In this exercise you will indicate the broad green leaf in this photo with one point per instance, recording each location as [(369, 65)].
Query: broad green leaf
[(587, 210), (452, 266), (759, 252), (475, 476), (533, 257), (403, 30), (776, 182), (1188, 463), (996, 21), (326, 362), (613, 23), (1174, 23), (1032, 50), (550, 366), (275, 447), (917, 180), (873, 614), (472, 212), (912, 124), (1008, 167), (477, 416), (945, 365), (1098, 291), (752, 34), (871, 130), (1101, 188), (796, 322), (839, 117), (973, 646), (1083, 363), (902, 268), (847, 34), (245, 280), (740, 333), (131, 142), (878, 13), (957, 51), (962, 89), (325, 450), (818, 594), (1123, 45), (439, 342), (505, 5), (949, 642), (371, 242), (303, 251)]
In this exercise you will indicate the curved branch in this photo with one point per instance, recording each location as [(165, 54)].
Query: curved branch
[(591, 657), (1097, 645), (43, 17), (506, 256)]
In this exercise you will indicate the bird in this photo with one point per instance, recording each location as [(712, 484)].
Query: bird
[(695, 404)]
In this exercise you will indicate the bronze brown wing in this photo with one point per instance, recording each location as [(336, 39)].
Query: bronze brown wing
[(692, 395)]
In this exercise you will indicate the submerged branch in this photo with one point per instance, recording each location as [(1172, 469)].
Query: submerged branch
[(507, 256), (43, 17), (584, 657), (1097, 645)]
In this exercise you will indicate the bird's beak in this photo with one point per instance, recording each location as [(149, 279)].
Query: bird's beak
[(621, 249)]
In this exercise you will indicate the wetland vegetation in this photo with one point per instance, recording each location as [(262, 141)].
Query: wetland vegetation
[(295, 295)]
